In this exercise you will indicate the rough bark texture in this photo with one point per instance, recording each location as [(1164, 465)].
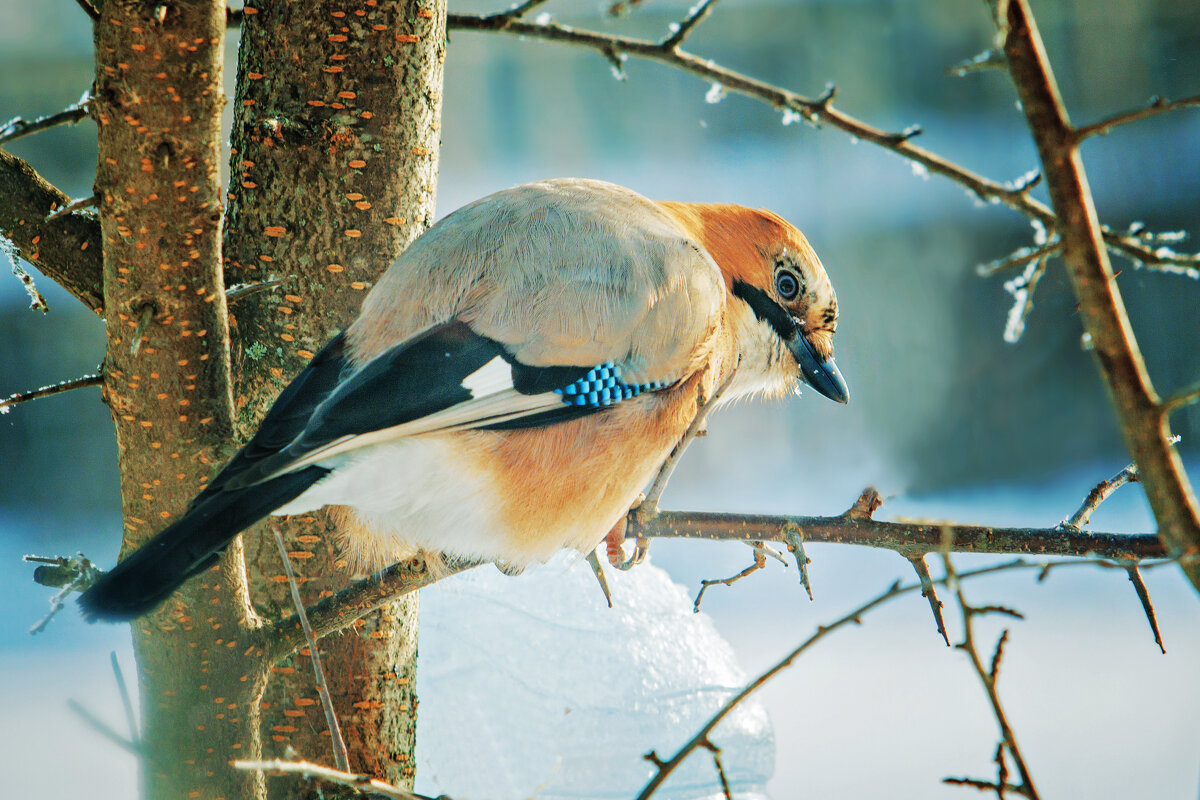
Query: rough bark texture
[(1143, 422), (67, 248), (167, 378), (333, 170)]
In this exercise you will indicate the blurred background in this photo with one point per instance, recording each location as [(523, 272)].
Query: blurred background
[(946, 418)]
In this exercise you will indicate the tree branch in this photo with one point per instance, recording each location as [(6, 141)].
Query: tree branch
[(1141, 417), (613, 47), (361, 784), (66, 249), (18, 128), (1156, 106)]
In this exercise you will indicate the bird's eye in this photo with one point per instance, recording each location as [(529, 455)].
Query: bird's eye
[(787, 284)]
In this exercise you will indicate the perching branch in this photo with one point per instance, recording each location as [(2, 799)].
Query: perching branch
[(1098, 495), (1156, 106), (1137, 405), (615, 48)]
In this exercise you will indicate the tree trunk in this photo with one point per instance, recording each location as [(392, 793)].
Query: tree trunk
[(333, 171)]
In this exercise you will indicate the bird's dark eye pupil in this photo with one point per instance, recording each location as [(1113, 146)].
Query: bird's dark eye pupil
[(787, 285)]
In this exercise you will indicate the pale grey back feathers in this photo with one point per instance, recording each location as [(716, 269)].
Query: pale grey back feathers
[(562, 272)]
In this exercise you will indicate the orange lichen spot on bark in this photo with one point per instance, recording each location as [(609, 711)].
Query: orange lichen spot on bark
[(293, 298), (316, 103), (394, 220), (265, 258), (338, 57), (354, 196), (337, 37), (305, 701), (276, 372), (352, 233), (300, 555), (379, 27), (137, 48), (362, 205), (357, 163), (146, 423), (335, 268), (358, 285), (420, 151), (338, 106), (165, 514), (275, 230), (249, 10), (285, 310), (293, 712), (254, 76), (407, 38), (287, 337), (331, 70), (345, 95), (248, 103), (249, 184)]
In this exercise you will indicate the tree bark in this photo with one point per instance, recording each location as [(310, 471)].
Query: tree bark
[(333, 169), (167, 377)]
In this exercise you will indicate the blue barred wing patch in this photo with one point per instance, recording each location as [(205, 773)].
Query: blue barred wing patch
[(602, 386)]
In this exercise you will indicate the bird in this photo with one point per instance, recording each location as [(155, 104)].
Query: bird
[(514, 380)]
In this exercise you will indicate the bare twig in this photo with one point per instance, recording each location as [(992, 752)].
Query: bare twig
[(17, 127), (1022, 289), (760, 561), (1156, 106), (683, 28), (905, 538), (928, 592), (1184, 397), (616, 48), (36, 301), (241, 291), (1098, 495), (362, 784), (102, 728), (7, 403), (340, 758), (1139, 586), (126, 702), (89, 8), (716, 757), (988, 676), (73, 206)]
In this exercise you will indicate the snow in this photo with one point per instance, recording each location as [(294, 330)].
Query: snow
[(532, 682)]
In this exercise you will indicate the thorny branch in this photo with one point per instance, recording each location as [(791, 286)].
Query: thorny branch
[(816, 110), (988, 677), (1139, 411)]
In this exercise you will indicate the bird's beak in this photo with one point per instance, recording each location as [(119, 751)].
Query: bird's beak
[(820, 373)]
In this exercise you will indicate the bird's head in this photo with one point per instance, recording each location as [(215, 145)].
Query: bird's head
[(781, 304)]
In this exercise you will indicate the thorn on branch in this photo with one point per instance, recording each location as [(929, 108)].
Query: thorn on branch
[(927, 591), (794, 537), (895, 139), (654, 759), (827, 96), (681, 30), (994, 671), (1139, 586), (7, 403)]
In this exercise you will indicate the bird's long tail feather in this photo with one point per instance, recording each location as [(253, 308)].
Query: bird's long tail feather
[(192, 544)]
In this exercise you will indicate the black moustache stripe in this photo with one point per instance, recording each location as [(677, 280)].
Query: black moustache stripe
[(766, 309)]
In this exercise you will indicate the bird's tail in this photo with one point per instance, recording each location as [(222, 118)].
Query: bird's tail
[(189, 546)]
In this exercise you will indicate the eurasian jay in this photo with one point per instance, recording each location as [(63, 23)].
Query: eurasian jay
[(514, 380)]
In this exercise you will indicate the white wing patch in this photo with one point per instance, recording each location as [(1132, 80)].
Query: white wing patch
[(501, 406), (493, 377)]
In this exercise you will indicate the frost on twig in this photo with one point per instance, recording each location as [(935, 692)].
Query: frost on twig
[(6, 404), (17, 127), (68, 574), (1098, 495)]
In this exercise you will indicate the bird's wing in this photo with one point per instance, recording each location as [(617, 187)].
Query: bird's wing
[(540, 304)]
